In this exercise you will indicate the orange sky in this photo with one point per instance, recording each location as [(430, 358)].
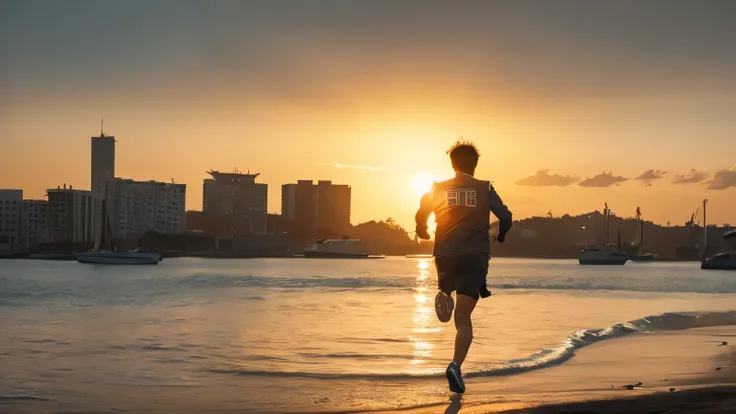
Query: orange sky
[(381, 86)]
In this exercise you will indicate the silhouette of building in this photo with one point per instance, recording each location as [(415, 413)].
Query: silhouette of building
[(102, 169), (236, 199), (71, 215), (316, 211), (35, 224), (137, 207), (11, 205)]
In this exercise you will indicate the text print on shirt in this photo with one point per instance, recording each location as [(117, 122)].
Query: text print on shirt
[(461, 197)]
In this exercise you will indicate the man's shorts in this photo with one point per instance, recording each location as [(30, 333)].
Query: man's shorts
[(465, 274)]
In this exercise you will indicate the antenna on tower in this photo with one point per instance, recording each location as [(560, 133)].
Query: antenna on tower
[(102, 127)]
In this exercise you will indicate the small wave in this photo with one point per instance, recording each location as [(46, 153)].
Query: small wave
[(45, 341), (350, 355), (318, 375), (542, 359), (225, 281), (160, 348), (21, 398)]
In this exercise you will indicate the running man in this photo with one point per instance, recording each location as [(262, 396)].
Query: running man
[(462, 207)]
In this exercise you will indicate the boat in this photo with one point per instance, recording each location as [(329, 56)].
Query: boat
[(640, 256), (596, 256), (130, 257), (721, 261), (608, 255), (105, 251), (725, 260), (338, 249), (646, 257)]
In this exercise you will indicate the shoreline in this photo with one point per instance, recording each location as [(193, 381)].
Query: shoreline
[(231, 255), (628, 374)]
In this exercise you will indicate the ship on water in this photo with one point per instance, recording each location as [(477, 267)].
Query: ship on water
[(338, 249), (106, 252), (606, 255)]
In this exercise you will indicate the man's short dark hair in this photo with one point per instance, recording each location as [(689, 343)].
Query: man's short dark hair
[(464, 156)]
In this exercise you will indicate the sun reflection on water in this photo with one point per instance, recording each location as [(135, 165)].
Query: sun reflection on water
[(423, 314)]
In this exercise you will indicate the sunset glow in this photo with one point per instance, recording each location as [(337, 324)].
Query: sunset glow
[(332, 99), (422, 182)]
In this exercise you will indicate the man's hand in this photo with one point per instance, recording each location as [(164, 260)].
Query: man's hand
[(422, 234), (500, 238)]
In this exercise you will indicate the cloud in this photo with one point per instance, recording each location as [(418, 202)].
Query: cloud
[(723, 179), (544, 179), (356, 167), (650, 175), (605, 179), (693, 177)]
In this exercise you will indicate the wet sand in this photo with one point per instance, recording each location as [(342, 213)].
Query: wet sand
[(693, 362), (704, 400)]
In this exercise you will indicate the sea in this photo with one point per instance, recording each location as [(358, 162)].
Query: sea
[(316, 335)]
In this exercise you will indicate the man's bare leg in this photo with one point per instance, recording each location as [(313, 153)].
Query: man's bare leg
[(464, 336)]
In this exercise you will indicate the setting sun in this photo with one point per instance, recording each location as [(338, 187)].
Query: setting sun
[(422, 182)]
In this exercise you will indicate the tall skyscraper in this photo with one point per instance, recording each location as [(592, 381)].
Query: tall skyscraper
[(102, 170), (316, 211), (103, 162), (237, 199)]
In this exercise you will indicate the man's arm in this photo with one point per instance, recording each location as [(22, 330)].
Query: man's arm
[(499, 209), (425, 209)]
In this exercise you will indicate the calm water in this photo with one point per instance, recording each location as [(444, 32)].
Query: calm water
[(318, 335)]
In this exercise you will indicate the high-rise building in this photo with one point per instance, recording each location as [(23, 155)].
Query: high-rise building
[(333, 208), (102, 170), (316, 211), (103, 163), (238, 200), (11, 205), (136, 207), (299, 208), (35, 222), (71, 215)]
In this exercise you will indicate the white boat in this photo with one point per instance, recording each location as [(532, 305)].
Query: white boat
[(132, 257), (721, 261), (106, 253), (338, 249), (592, 255), (596, 256)]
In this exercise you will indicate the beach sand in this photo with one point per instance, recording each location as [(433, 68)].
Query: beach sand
[(693, 362)]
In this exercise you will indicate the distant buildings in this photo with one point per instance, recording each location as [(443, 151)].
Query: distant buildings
[(236, 200), (11, 204), (35, 224), (316, 211), (71, 215), (136, 207)]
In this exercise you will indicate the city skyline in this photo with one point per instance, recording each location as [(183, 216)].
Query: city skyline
[(372, 94)]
